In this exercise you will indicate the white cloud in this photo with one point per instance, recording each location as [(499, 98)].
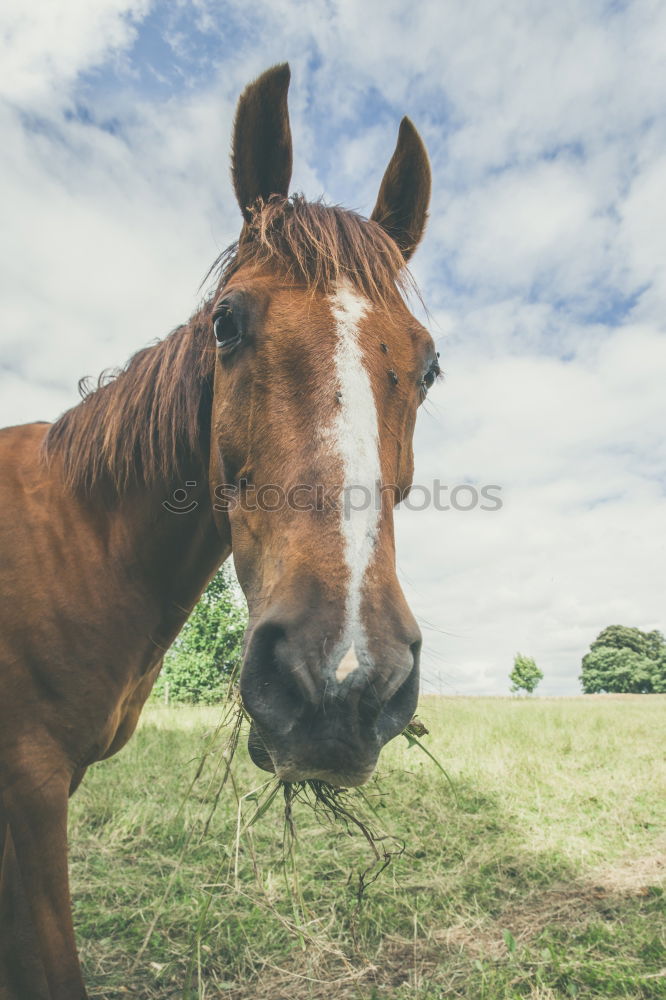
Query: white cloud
[(544, 265), (643, 232), (44, 45), (522, 227)]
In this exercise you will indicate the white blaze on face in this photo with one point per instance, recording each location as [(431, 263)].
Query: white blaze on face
[(354, 434)]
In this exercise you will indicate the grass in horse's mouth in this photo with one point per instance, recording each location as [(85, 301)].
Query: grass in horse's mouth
[(341, 805)]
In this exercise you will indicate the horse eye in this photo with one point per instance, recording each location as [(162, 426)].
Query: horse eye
[(220, 328), (227, 327), (428, 379)]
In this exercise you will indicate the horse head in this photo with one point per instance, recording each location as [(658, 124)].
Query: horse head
[(319, 373)]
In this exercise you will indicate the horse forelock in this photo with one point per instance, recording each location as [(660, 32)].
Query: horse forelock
[(319, 246)]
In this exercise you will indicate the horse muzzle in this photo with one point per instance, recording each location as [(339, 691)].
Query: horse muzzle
[(306, 724)]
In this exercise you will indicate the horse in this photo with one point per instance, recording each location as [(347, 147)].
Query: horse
[(255, 429)]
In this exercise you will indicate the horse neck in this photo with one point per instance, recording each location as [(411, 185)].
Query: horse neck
[(168, 546)]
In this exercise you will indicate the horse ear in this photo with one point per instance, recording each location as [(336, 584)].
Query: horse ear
[(261, 151), (404, 195)]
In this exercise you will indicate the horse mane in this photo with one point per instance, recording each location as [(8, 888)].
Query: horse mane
[(137, 424), (144, 422)]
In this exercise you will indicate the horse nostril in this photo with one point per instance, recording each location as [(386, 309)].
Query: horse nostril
[(274, 691), (398, 710), (382, 692)]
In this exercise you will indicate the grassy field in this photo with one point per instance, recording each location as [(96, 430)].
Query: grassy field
[(537, 870)]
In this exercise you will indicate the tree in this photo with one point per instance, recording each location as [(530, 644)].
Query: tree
[(625, 660), (198, 665), (623, 637), (525, 674)]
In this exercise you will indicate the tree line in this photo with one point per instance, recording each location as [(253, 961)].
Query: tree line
[(621, 660)]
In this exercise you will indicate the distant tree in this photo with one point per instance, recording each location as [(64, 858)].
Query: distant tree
[(623, 637), (625, 660), (197, 667), (525, 674)]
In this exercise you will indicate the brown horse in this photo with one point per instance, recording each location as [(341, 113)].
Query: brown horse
[(276, 424)]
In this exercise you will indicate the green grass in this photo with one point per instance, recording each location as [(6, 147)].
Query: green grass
[(539, 873)]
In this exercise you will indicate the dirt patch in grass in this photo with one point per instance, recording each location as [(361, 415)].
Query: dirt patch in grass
[(600, 894), (636, 874)]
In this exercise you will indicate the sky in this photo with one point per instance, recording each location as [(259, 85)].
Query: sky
[(543, 266)]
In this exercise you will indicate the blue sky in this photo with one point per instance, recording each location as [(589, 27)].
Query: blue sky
[(544, 265)]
